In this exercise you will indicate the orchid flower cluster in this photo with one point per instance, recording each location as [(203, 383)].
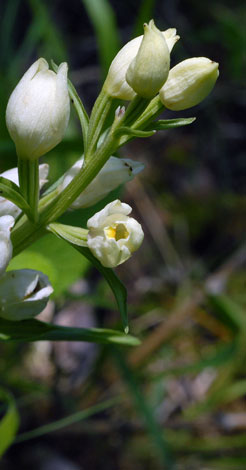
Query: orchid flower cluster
[(37, 116)]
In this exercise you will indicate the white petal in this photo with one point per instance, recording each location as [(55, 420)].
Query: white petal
[(112, 235), (115, 207), (38, 110), (6, 223), (23, 294)]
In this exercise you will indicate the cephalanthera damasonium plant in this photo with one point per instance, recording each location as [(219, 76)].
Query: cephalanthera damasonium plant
[(37, 116)]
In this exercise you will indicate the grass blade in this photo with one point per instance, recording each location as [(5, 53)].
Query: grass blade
[(103, 19), (68, 421), (143, 408)]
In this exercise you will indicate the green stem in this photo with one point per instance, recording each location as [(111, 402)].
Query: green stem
[(153, 110), (135, 109), (98, 117), (28, 171)]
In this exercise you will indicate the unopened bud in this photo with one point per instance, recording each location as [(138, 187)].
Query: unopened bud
[(115, 84), (189, 83), (149, 69), (115, 172), (38, 110)]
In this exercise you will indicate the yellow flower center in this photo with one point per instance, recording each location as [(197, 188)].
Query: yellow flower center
[(117, 231)]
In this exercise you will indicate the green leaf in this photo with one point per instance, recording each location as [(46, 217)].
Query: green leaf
[(103, 19), (163, 124), (229, 312), (68, 420), (35, 330), (9, 423), (11, 191), (74, 235), (134, 132), (119, 290), (114, 282)]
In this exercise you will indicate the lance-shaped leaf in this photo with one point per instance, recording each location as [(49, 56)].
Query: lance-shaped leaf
[(76, 237), (35, 330), (134, 132), (164, 124)]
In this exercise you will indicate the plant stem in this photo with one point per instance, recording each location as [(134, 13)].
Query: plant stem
[(98, 117), (28, 171)]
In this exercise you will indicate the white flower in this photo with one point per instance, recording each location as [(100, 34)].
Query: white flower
[(189, 83), (8, 207), (115, 172), (113, 236), (23, 294), (149, 69), (6, 223), (38, 110), (115, 84)]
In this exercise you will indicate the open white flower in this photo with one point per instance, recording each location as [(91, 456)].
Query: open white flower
[(6, 223), (38, 110), (113, 236), (115, 172), (23, 294), (8, 207), (115, 84)]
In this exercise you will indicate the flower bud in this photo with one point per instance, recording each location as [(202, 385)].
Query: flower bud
[(115, 84), (38, 110), (149, 69), (115, 172), (23, 294), (6, 223), (8, 207), (188, 83), (113, 236)]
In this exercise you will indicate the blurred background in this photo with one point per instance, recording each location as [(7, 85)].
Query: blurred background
[(178, 399)]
